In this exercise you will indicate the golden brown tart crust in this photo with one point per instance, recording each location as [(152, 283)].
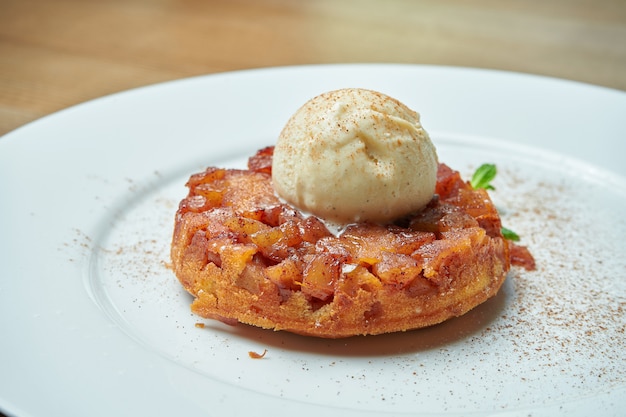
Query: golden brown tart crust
[(247, 257)]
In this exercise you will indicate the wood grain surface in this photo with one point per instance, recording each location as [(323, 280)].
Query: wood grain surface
[(57, 53)]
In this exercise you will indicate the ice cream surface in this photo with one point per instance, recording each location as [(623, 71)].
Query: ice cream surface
[(355, 155)]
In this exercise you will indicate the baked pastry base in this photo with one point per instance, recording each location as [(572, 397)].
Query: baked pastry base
[(247, 257)]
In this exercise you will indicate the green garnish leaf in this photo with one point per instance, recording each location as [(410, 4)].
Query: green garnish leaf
[(482, 179), (483, 176), (509, 234)]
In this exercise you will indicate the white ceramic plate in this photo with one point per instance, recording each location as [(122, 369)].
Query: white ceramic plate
[(93, 323)]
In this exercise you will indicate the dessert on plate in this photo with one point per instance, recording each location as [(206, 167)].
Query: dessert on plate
[(348, 226)]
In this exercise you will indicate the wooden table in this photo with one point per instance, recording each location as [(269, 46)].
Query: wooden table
[(57, 53)]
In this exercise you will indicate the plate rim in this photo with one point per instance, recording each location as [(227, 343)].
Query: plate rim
[(14, 137)]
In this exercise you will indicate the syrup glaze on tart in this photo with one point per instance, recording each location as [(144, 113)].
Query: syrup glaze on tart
[(248, 257)]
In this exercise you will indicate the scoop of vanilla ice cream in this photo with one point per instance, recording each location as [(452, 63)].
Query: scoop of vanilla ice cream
[(355, 155)]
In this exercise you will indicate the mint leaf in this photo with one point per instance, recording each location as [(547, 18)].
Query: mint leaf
[(483, 176), (509, 234), (482, 179)]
